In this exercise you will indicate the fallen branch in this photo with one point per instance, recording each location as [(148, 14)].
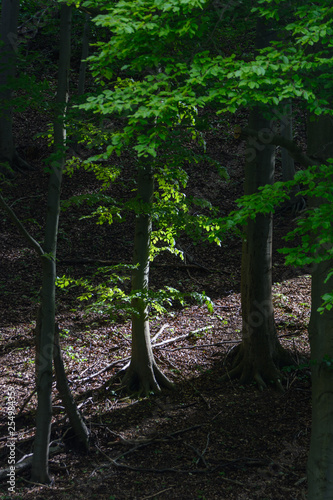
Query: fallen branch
[(186, 335), (160, 331), (26, 460), (204, 346), (154, 346), (105, 369), (158, 493)]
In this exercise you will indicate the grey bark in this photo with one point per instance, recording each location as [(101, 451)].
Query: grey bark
[(45, 340), (8, 37), (259, 355), (296, 202), (80, 430), (143, 375), (320, 461), (9, 158), (286, 130), (84, 55)]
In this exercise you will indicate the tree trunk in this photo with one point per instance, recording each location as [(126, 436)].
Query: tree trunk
[(9, 158), (286, 130), (143, 375), (259, 355), (84, 55), (296, 203), (81, 433), (320, 462), (8, 37), (45, 341)]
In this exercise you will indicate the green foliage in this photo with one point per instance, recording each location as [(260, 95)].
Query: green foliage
[(313, 228), (160, 69), (108, 295)]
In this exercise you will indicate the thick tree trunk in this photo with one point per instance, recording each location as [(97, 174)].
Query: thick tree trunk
[(143, 375), (320, 462), (259, 355), (45, 341)]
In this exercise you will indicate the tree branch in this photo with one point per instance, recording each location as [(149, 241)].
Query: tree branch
[(32, 242), (277, 140)]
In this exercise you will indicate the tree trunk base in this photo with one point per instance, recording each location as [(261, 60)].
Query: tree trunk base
[(149, 380), (249, 367)]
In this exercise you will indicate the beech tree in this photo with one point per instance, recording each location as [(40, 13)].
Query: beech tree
[(45, 325), (153, 132), (260, 355), (9, 158), (310, 56), (143, 374), (320, 468), (8, 37)]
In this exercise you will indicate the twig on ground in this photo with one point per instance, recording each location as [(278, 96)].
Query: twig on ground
[(160, 331), (202, 346), (105, 369), (158, 493), (186, 335), (200, 454), (26, 460)]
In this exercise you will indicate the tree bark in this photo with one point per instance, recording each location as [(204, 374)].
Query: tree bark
[(260, 354), (45, 341), (84, 55), (8, 37), (296, 203), (9, 158), (80, 430), (286, 129), (143, 375), (320, 461)]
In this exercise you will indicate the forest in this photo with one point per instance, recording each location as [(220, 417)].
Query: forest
[(166, 272)]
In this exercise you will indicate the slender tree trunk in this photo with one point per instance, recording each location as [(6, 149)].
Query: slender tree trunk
[(84, 55), (81, 433), (9, 158), (286, 130), (8, 37), (45, 341), (296, 203), (143, 375), (320, 462)]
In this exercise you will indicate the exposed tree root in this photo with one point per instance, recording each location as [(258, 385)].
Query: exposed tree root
[(247, 367), (144, 380)]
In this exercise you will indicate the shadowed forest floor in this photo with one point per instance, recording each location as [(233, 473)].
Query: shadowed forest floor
[(204, 440)]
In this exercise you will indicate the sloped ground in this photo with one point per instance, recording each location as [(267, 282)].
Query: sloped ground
[(204, 440)]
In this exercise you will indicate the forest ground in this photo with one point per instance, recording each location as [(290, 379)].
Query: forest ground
[(207, 439)]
